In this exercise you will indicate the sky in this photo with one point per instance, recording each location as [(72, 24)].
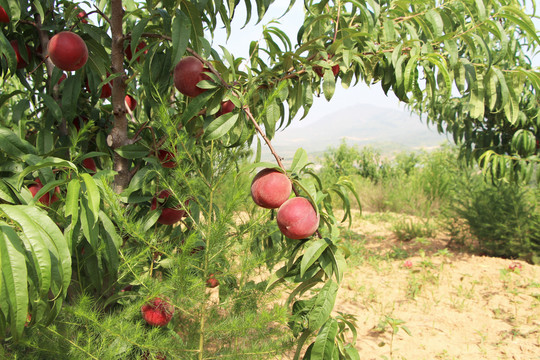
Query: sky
[(238, 45)]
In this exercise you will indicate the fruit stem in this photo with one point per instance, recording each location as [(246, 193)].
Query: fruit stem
[(265, 138)]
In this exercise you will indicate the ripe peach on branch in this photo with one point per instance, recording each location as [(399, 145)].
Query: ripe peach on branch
[(297, 218), (67, 51), (270, 188), (187, 74)]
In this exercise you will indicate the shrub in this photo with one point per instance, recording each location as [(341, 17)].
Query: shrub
[(505, 218)]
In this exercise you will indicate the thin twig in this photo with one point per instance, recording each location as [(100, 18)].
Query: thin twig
[(337, 22), (105, 17), (266, 140)]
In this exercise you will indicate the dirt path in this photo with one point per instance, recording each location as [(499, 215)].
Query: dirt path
[(455, 305)]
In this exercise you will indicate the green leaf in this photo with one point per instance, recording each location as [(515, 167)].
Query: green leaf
[(7, 50), (312, 253), (389, 31), (305, 286), (35, 222), (136, 33), (515, 15), (476, 102), (481, 9), (323, 305), (71, 207), (300, 160), (112, 240), (323, 349), (436, 22), (195, 105), (511, 109), (70, 95), (7, 192), (329, 84), (181, 31), (52, 105), (220, 126), (89, 224), (272, 115), (5, 97), (92, 194), (49, 162), (13, 145), (442, 67), (132, 151), (300, 343), (14, 274), (259, 151), (524, 142)]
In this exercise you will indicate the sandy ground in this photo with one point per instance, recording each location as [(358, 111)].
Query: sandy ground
[(455, 305)]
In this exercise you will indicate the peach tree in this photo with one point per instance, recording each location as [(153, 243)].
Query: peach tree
[(111, 162)]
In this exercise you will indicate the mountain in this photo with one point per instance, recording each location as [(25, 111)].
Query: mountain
[(385, 129)]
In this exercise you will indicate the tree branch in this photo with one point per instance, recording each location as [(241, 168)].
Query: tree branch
[(118, 136)]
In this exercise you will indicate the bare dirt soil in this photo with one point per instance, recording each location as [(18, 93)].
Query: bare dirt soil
[(454, 304)]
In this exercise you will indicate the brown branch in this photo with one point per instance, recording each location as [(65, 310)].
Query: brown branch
[(119, 134), (337, 22)]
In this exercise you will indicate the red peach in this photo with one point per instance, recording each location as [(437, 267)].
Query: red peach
[(408, 264), (157, 312), (320, 71), (46, 199), (166, 158), (89, 164), (131, 103), (212, 282), (515, 266), (169, 216), (82, 17), (187, 74), (270, 188), (21, 63), (138, 49), (226, 107), (4, 18), (297, 219), (67, 51)]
